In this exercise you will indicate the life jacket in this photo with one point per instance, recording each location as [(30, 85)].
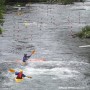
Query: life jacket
[(19, 76)]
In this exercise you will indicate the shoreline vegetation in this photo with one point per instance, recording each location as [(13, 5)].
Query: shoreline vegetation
[(23, 2), (2, 11), (84, 33)]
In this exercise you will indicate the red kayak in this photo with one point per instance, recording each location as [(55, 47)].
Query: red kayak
[(37, 60), (32, 60)]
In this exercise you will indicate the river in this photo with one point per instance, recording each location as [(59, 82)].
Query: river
[(47, 28)]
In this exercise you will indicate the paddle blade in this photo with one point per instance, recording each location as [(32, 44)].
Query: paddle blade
[(11, 70), (29, 77), (33, 51)]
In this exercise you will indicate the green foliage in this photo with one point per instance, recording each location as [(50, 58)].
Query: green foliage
[(0, 30), (79, 0), (1, 15), (1, 18), (85, 33), (20, 4), (2, 9), (12, 2), (2, 2), (2, 6), (66, 1)]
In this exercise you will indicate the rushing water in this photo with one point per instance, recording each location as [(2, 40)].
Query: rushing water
[(48, 29)]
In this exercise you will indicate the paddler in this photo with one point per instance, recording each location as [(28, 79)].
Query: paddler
[(25, 57), (20, 74)]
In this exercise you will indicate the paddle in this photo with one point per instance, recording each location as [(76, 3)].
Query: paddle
[(12, 71), (33, 52), (28, 76)]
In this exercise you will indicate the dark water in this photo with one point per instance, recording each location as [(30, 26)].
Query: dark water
[(48, 29)]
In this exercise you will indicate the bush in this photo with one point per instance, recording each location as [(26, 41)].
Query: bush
[(1, 18), (20, 4), (85, 33), (67, 1), (2, 10), (0, 30), (2, 6)]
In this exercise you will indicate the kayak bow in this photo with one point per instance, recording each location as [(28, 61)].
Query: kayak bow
[(19, 80)]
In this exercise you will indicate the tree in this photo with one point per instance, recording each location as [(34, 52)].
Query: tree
[(2, 8)]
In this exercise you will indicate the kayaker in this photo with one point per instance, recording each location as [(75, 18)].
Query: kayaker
[(20, 74), (25, 57)]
